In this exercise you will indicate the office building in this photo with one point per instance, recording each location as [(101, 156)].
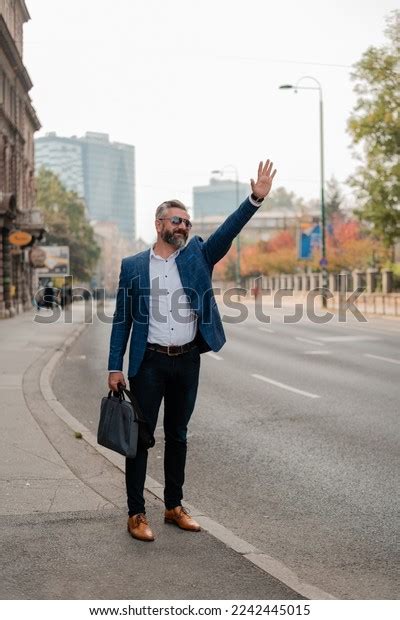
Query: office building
[(99, 171), (63, 156), (219, 197)]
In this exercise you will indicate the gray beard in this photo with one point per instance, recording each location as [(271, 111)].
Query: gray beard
[(177, 241)]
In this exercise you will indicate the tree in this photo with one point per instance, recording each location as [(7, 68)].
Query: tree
[(66, 223), (375, 126), (285, 239), (280, 198), (333, 198), (347, 248)]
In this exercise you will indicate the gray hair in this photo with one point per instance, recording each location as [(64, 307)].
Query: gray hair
[(169, 204)]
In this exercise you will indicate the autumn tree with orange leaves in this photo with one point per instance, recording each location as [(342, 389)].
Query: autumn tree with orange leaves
[(347, 248)]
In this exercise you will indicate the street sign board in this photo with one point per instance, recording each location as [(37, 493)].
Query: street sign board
[(56, 262), (19, 237)]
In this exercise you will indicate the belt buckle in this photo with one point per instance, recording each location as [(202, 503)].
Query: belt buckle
[(169, 346)]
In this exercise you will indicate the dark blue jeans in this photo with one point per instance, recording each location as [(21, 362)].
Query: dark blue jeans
[(174, 378)]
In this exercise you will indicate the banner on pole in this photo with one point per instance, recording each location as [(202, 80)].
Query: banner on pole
[(309, 238)]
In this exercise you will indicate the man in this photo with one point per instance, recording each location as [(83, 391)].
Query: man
[(168, 335)]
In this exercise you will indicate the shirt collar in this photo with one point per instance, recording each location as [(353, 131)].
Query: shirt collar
[(154, 255)]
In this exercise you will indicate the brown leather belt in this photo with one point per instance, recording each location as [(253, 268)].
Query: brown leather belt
[(172, 349)]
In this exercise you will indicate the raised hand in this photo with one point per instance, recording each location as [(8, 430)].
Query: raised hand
[(262, 186)]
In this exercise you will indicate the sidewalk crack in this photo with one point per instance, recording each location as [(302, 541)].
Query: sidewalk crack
[(42, 458), (54, 497)]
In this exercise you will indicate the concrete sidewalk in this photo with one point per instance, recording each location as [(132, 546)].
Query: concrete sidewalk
[(63, 506)]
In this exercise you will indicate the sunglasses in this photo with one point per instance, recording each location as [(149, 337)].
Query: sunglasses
[(176, 221)]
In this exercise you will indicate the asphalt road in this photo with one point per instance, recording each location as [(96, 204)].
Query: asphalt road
[(294, 443)]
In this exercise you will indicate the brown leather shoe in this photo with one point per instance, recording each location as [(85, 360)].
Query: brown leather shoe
[(180, 516), (138, 527)]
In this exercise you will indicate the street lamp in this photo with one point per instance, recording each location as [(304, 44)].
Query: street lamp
[(323, 261), (221, 172)]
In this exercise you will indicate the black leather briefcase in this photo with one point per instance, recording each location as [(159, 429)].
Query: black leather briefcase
[(122, 425), (119, 424)]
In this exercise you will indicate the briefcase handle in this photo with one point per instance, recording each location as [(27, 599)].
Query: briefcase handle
[(118, 394), (134, 402)]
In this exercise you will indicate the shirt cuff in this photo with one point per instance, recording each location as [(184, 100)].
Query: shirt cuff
[(254, 203), (114, 371)]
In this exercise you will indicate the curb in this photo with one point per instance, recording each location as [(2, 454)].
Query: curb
[(265, 562)]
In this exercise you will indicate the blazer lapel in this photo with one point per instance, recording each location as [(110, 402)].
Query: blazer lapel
[(183, 264), (144, 278)]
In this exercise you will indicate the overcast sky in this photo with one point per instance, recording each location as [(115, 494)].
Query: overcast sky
[(195, 85)]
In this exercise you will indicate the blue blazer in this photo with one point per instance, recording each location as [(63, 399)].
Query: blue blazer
[(195, 264)]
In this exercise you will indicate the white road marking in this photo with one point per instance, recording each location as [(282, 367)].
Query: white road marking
[(214, 355), (319, 352), (375, 330), (286, 387), (384, 359), (309, 341), (267, 329), (347, 338)]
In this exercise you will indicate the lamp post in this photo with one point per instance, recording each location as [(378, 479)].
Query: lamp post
[(323, 261), (221, 172)]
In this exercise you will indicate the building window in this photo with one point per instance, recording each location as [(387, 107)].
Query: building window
[(21, 120), (12, 103), (6, 95)]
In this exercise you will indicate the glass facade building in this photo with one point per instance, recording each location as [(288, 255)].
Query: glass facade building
[(218, 198), (63, 156), (100, 171)]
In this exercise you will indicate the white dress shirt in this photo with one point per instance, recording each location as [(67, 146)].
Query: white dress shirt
[(171, 318)]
